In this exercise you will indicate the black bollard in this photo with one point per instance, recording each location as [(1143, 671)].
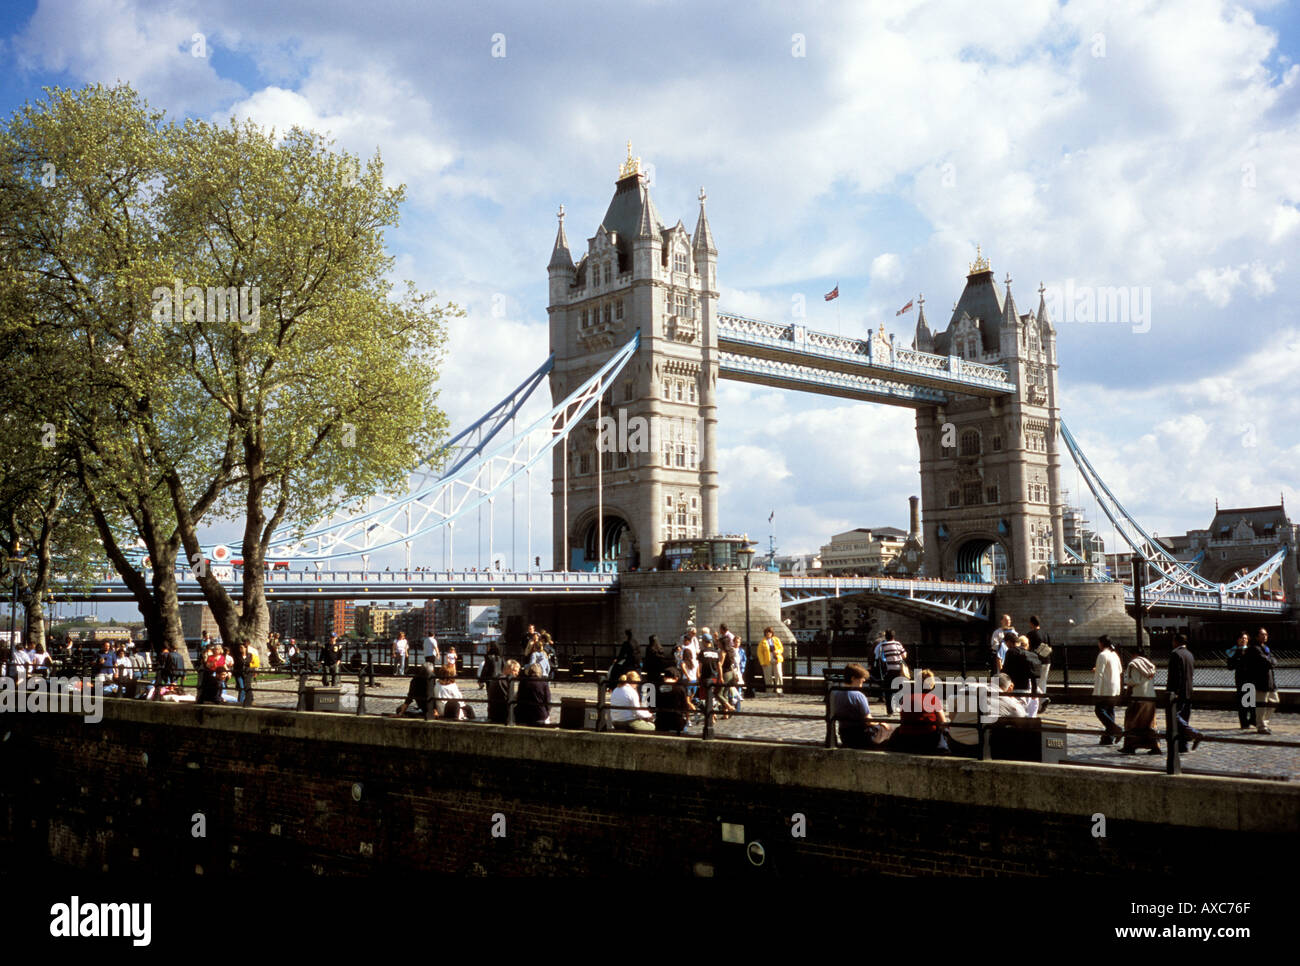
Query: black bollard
[(600, 706), (361, 692), (708, 710), (302, 691)]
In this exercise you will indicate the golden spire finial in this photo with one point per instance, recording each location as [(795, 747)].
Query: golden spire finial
[(981, 264), (631, 166)]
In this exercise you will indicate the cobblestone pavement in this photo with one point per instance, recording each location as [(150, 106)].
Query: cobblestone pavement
[(1225, 752)]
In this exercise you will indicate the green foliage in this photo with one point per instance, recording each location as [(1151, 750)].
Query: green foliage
[(174, 399)]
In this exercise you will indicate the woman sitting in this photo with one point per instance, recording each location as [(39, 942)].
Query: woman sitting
[(448, 701), (922, 720), (533, 702), (628, 713)]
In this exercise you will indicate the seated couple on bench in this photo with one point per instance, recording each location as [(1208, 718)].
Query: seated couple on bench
[(922, 718)]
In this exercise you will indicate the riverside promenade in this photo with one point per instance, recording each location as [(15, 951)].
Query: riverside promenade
[(1233, 756)]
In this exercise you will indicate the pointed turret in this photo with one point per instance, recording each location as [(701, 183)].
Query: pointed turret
[(561, 257), (1043, 321), (702, 241), (1010, 317), (924, 340)]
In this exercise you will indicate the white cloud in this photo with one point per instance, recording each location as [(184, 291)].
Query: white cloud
[(887, 269), (909, 132)]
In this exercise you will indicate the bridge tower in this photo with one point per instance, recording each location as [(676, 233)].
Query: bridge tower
[(648, 471), (991, 468)]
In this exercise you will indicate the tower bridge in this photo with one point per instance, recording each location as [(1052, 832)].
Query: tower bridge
[(636, 331)]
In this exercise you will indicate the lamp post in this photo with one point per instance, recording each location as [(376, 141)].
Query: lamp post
[(17, 564), (746, 555)]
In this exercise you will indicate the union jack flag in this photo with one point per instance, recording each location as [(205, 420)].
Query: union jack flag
[(833, 293)]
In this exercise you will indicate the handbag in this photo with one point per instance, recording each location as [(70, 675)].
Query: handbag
[(1272, 698)]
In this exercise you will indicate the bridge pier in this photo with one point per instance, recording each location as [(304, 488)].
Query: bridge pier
[(1096, 609), (659, 602)]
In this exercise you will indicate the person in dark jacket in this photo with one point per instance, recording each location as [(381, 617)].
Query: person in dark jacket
[(1016, 663), (492, 666), (656, 661), (629, 659), (1257, 668), (1236, 658), (673, 706), (533, 703), (419, 691), (498, 693), (242, 671), (1179, 689), (331, 655)]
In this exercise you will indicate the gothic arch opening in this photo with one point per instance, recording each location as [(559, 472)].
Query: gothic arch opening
[(980, 558), (619, 543)]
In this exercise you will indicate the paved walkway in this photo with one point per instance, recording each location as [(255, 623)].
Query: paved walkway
[(1230, 756)]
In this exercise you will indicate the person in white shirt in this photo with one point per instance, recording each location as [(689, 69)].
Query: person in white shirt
[(1004, 635), (690, 643), (430, 645), (400, 648), (1106, 689), (448, 701), (628, 714)]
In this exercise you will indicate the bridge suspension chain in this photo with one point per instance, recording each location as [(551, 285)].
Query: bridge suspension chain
[(1175, 574)]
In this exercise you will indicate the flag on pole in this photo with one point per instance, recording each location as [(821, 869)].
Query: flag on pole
[(771, 516), (905, 308), (833, 293)]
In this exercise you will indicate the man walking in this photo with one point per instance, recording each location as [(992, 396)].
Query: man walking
[(1106, 689), (1040, 642), (892, 655), (1180, 672), (431, 654)]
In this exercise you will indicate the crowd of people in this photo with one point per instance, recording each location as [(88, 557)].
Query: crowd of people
[(667, 689), (1018, 665)]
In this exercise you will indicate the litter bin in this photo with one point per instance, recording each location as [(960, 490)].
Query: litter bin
[(323, 699), (577, 669)]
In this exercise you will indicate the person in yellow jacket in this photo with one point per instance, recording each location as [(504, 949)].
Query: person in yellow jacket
[(770, 655)]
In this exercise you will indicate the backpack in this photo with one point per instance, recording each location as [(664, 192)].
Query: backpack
[(1044, 649)]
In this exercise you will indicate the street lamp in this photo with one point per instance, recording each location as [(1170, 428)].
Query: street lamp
[(17, 564), (746, 555)]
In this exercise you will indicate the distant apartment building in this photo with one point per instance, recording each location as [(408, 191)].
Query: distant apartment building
[(326, 617), (288, 618), (864, 550)]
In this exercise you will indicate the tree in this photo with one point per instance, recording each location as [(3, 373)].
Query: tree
[(42, 515), (80, 203), (221, 309), (324, 379)]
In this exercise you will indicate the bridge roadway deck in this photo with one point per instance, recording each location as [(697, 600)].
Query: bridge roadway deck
[(1212, 758), (961, 600)]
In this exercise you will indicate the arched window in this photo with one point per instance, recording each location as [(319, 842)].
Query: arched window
[(970, 443)]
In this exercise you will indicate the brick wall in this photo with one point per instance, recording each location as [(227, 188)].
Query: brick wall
[(276, 791)]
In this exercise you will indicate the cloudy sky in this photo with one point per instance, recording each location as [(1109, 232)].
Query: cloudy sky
[(1152, 146)]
